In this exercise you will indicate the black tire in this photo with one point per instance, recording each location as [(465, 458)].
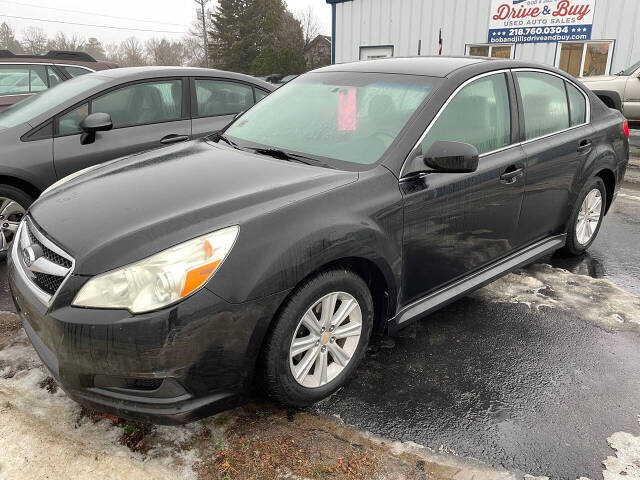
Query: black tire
[(573, 246), (21, 197), (274, 371)]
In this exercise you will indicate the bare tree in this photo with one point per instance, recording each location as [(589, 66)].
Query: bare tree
[(193, 52), (309, 23), (131, 53), (34, 41), (202, 17), (62, 42), (165, 52), (8, 39)]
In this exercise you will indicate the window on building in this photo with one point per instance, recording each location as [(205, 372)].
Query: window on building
[(544, 100), (493, 51), (479, 114), (584, 59)]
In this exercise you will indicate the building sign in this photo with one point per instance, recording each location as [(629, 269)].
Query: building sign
[(533, 21)]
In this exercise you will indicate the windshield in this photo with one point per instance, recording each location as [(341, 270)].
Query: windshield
[(345, 116), (30, 108), (631, 69)]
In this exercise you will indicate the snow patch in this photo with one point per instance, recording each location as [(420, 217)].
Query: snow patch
[(541, 286)]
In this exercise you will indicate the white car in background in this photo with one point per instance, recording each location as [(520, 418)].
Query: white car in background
[(621, 91)]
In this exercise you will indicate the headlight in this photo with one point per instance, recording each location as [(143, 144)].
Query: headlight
[(162, 279)]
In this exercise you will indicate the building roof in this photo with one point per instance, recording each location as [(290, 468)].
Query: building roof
[(436, 66)]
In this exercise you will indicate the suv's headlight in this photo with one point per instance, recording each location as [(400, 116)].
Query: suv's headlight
[(162, 279)]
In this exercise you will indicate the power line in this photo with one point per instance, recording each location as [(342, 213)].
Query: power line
[(91, 25), (93, 14)]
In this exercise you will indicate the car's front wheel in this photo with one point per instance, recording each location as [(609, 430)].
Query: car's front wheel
[(586, 217), (318, 338), (13, 205)]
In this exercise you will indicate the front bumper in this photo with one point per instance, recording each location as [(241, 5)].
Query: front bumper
[(171, 366)]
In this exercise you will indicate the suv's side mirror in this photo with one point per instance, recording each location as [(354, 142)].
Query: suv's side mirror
[(96, 122), (452, 157)]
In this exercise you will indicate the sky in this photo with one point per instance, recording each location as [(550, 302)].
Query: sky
[(143, 19)]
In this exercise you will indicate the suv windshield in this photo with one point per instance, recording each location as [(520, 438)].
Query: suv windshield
[(345, 116), (28, 109), (630, 70)]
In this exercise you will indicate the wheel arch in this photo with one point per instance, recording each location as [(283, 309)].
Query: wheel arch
[(609, 179), (23, 185)]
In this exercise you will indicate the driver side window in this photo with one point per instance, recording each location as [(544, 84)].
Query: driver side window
[(142, 103), (479, 114)]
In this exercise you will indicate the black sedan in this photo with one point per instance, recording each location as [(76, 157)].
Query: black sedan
[(105, 115), (354, 199)]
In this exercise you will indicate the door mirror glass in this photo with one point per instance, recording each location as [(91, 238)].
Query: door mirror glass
[(96, 122), (452, 157)]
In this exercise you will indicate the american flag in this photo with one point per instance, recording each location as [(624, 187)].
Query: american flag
[(440, 42)]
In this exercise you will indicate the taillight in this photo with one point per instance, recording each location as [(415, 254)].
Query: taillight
[(625, 128)]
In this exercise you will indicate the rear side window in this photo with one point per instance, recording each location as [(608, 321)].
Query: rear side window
[(577, 106), (215, 97), (544, 101), (142, 103), (22, 79), (54, 78), (479, 114), (260, 94), (74, 71)]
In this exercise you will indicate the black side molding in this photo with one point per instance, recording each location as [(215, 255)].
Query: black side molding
[(478, 279)]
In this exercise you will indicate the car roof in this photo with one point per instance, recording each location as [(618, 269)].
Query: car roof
[(433, 66), (138, 73)]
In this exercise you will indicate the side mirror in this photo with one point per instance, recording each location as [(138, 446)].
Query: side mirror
[(96, 122), (452, 157)]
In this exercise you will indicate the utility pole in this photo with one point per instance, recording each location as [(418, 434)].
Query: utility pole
[(203, 18)]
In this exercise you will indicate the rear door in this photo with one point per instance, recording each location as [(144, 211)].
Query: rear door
[(215, 103), (146, 114), (455, 223), (556, 140)]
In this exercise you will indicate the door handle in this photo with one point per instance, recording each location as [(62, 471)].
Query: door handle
[(585, 146), (173, 138), (511, 174)]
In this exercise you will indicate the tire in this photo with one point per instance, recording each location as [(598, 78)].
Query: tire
[(10, 215), (277, 365), (577, 243)]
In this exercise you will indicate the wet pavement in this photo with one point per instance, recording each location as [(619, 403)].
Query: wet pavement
[(532, 373), (536, 390)]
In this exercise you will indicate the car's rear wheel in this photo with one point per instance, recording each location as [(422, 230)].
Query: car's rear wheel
[(318, 338), (586, 217), (13, 206)]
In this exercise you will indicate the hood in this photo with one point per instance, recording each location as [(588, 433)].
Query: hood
[(132, 208), (598, 78)]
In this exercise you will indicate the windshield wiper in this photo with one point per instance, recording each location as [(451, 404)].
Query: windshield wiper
[(282, 155), (221, 136)]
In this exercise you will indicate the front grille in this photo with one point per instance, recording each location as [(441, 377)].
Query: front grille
[(48, 253), (47, 265), (46, 282)]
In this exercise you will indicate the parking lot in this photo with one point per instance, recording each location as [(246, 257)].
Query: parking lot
[(534, 374)]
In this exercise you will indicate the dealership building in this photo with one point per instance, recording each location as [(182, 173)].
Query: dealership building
[(582, 37)]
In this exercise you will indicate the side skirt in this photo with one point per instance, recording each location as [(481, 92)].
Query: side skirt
[(475, 280)]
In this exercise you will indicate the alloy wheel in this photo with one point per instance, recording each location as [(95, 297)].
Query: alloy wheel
[(325, 339), (589, 216), (11, 213)]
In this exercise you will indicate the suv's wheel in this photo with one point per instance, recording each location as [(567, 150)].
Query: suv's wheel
[(587, 216), (13, 205), (318, 338)]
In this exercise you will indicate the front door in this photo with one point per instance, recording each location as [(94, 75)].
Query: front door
[(455, 223), (145, 115), (556, 141)]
